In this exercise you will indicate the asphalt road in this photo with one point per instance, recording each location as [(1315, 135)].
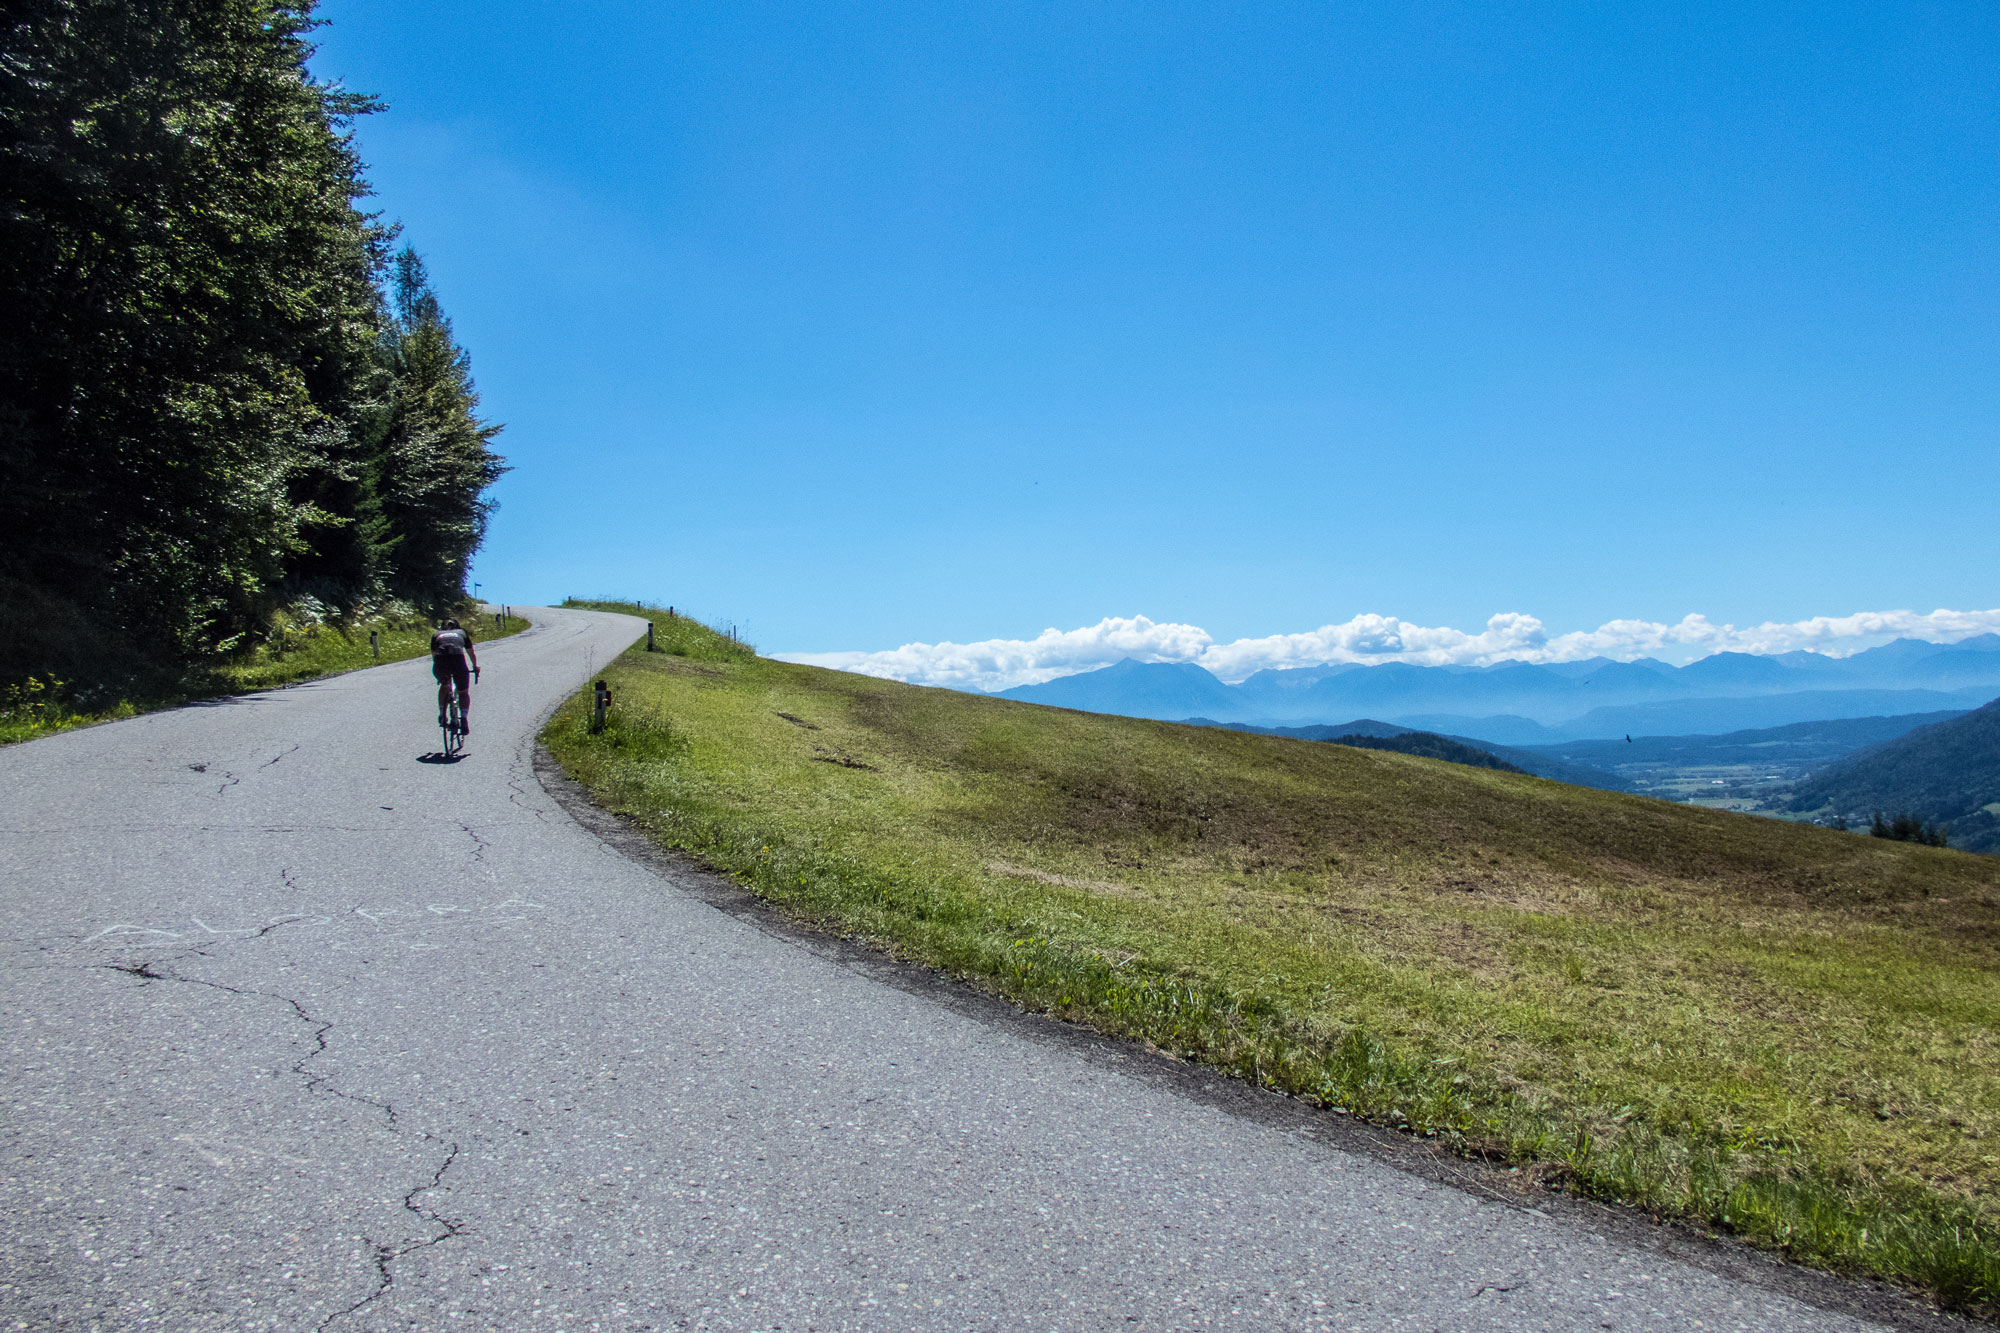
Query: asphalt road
[(303, 1031)]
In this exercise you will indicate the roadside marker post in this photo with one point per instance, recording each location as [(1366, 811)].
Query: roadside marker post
[(603, 702), (375, 642), (649, 636)]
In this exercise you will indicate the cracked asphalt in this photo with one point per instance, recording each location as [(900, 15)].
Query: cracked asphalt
[(307, 1032)]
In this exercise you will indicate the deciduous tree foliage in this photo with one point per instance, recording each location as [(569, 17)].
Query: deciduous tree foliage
[(201, 387)]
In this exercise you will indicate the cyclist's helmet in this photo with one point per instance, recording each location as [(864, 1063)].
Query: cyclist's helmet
[(451, 624)]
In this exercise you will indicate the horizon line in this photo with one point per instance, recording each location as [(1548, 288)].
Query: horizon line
[(991, 665)]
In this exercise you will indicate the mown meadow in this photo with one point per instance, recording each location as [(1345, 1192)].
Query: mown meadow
[(1784, 1032)]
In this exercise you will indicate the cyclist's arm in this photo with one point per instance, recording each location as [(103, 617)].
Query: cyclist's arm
[(472, 654)]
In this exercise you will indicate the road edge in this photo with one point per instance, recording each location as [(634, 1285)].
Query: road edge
[(1670, 1238)]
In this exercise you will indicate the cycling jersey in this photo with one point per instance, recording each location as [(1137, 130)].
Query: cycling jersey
[(450, 642)]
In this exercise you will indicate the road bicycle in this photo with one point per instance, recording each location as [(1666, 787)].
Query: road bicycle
[(454, 721)]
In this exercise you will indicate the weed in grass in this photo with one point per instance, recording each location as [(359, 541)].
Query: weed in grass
[(37, 707)]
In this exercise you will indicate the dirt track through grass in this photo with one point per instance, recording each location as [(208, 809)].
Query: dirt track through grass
[(1784, 1030)]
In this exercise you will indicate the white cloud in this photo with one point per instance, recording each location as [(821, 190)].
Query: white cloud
[(995, 664)]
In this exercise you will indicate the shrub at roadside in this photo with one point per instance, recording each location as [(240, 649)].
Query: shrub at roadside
[(303, 642)]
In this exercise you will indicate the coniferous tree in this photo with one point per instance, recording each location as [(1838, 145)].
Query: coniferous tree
[(186, 367), (435, 464), (207, 405)]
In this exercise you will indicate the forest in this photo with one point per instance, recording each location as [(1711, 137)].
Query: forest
[(230, 400)]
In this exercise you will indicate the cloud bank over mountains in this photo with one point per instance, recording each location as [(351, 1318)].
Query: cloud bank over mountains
[(996, 664)]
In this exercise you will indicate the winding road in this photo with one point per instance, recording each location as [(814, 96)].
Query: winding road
[(306, 1032)]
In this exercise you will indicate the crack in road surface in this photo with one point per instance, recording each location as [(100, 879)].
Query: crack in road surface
[(385, 1256), (149, 971), (382, 1255), (517, 795)]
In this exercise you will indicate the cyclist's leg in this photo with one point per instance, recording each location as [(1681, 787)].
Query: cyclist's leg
[(442, 674), (461, 677)]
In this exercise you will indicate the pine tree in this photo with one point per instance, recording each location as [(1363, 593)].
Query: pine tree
[(187, 362), (435, 464), (207, 404)]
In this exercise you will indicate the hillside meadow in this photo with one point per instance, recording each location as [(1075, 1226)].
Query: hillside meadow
[(1782, 1031)]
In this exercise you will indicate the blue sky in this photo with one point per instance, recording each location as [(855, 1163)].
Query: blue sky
[(862, 325)]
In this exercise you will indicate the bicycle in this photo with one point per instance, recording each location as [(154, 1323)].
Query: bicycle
[(454, 722)]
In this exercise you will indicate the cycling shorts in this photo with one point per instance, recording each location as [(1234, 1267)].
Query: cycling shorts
[(451, 666)]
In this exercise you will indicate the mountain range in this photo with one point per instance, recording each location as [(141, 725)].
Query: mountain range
[(1520, 703), (1948, 772)]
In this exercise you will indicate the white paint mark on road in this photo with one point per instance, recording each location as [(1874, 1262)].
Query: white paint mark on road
[(124, 929)]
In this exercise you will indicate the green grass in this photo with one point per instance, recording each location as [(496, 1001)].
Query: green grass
[(306, 653), (675, 635), (294, 652), (1785, 1031)]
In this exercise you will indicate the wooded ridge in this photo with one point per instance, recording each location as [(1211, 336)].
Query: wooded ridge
[(222, 389)]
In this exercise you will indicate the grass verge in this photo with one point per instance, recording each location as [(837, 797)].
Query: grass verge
[(1786, 1032), (297, 649)]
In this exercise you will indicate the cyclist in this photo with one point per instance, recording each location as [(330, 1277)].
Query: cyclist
[(450, 647)]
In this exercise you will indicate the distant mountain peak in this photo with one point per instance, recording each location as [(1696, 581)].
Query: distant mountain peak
[(1514, 703), (1136, 689)]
